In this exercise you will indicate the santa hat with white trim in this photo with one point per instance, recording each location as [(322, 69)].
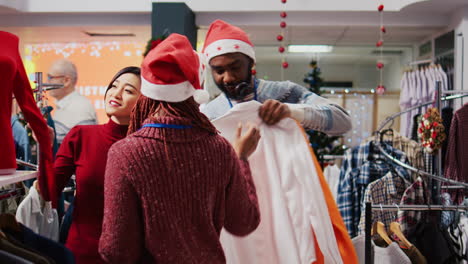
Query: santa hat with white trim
[(225, 38), (172, 71)]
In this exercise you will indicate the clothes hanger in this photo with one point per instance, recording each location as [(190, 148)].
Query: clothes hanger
[(378, 228), (397, 235)]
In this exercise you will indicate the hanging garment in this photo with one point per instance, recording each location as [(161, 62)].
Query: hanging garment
[(8, 258), (28, 239), (412, 149), (447, 116), (430, 240), (387, 190), (20, 136), (358, 170), (405, 102), (15, 81), (332, 175), (19, 251), (456, 167), (291, 201), (414, 194), (42, 219), (392, 254), (347, 252)]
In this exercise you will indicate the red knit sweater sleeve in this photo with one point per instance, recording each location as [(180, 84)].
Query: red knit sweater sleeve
[(64, 165), (242, 210), (122, 239)]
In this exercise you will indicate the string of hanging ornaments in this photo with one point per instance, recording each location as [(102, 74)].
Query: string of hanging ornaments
[(281, 38), (380, 65)]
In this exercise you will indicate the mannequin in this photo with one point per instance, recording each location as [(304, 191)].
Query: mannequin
[(14, 82)]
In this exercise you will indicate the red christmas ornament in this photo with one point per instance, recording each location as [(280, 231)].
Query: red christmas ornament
[(254, 72), (380, 89), (279, 37), (285, 64), (383, 29), (380, 65), (283, 1), (283, 14), (283, 24), (281, 49), (379, 43), (381, 7)]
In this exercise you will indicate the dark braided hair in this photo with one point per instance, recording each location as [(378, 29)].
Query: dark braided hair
[(147, 107)]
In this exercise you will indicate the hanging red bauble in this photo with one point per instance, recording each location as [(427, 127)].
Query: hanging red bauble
[(254, 72), (283, 14), (285, 64), (383, 29), (380, 65), (283, 1), (283, 24), (379, 43), (380, 89), (381, 7), (279, 37), (281, 49)]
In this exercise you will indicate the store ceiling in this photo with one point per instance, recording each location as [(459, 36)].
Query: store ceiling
[(412, 25)]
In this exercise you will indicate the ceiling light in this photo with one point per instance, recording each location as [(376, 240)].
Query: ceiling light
[(310, 48)]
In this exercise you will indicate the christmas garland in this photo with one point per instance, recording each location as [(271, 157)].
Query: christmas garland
[(431, 131), (153, 42)]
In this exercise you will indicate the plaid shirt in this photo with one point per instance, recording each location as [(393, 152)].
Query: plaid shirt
[(413, 150), (387, 190), (358, 170), (415, 194)]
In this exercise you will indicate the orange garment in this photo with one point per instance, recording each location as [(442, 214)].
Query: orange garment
[(345, 245)]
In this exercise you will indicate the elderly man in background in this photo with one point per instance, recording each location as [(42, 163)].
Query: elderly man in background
[(71, 108)]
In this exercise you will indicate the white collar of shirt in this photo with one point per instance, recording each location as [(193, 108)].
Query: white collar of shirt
[(66, 100)]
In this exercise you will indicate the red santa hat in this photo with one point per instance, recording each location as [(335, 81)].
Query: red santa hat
[(225, 38), (172, 72)]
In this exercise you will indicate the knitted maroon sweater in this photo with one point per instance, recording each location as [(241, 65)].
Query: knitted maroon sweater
[(169, 192), (457, 153)]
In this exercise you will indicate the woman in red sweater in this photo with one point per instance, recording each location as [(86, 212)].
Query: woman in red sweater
[(84, 153), (172, 185)]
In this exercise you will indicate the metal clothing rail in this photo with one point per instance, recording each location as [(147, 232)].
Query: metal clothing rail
[(418, 171), (368, 218), (26, 164), (407, 166), (420, 62), (392, 117), (332, 157)]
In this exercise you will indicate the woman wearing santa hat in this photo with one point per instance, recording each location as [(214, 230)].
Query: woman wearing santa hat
[(172, 185), (84, 153)]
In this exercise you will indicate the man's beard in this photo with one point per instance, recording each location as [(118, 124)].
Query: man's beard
[(239, 90)]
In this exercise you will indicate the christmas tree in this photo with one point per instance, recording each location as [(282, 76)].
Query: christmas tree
[(321, 143)]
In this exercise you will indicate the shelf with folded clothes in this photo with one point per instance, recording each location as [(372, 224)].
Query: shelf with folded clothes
[(18, 176)]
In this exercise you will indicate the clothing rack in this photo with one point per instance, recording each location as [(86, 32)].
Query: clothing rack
[(391, 119), (26, 164), (420, 62), (332, 157), (372, 207)]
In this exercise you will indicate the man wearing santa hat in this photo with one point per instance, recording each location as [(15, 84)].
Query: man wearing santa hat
[(230, 56)]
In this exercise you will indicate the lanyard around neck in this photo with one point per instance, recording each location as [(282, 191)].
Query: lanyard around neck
[(255, 93), (158, 125)]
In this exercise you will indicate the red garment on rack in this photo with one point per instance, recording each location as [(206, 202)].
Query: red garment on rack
[(456, 166), (14, 81)]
